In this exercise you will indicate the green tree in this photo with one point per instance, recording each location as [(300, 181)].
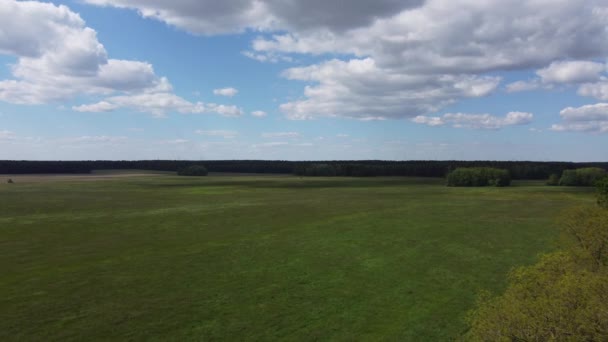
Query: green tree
[(564, 297), (587, 176), (568, 178), (602, 192), (553, 179), (193, 170), (478, 176)]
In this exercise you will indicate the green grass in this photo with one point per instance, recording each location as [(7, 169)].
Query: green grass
[(261, 258)]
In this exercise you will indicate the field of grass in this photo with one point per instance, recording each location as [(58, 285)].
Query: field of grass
[(261, 258)]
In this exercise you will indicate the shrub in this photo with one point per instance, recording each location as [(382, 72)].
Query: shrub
[(590, 175), (193, 170), (564, 297), (582, 177), (602, 192), (479, 176), (568, 178), (553, 179)]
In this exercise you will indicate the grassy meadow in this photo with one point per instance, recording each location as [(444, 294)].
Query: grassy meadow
[(261, 257)]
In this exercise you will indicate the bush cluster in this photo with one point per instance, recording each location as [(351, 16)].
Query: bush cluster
[(479, 176), (564, 297), (602, 193), (553, 179), (582, 177), (193, 170)]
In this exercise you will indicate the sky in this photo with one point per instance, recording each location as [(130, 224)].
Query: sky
[(304, 79)]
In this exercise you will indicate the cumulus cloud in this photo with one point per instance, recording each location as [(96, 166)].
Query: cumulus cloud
[(259, 114), (589, 118), (472, 36), (209, 17), (359, 89), (60, 58), (405, 58), (587, 74), (571, 72), (407, 34), (398, 59), (476, 121), (519, 86), (598, 90), (267, 57), (158, 104), (230, 92)]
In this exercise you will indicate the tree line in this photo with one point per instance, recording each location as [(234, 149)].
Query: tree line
[(365, 168)]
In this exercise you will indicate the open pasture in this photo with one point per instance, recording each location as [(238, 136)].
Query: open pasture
[(261, 258)]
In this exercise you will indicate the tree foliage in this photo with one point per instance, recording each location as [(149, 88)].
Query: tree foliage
[(193, 170), (479, 176), (319, 170), (602, 192), (553, 179), (564, 297), (582, 177), (359, 168)]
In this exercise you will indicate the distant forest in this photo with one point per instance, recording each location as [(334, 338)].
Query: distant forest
[(367, 168)]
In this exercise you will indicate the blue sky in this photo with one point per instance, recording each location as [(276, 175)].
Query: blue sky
[(294, 79)]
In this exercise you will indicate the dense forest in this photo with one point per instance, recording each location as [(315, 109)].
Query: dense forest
[(367, 168)]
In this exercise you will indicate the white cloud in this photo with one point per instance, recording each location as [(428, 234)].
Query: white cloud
[(519, 86), (225, 110), (155, 103), (281, 135), (158, 104), (476, 121), (209, 17), (267, 57), (571, 72), (565, 72), (588, 118), (595, 112), (598, 90), (471, 36), (226, 134), (230, 92), (342, 135), (585, 127), (405, 58), (429, 120), (259, 114), (60, 58), (360, 89)]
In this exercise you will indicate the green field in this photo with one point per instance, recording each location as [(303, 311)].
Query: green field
[(261, 258)]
